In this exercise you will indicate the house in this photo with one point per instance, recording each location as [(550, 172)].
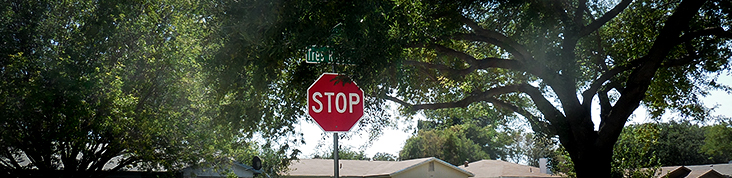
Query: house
[(417, 168), (223, 168), (697, 171), (503, 169), (236, 168), (130, 171)]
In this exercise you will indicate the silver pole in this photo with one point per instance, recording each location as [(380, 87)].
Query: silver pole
[(335, 154)]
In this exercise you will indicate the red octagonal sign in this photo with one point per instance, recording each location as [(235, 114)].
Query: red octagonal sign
[(336, 106)]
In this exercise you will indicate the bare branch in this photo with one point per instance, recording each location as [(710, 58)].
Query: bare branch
[(594, 25)]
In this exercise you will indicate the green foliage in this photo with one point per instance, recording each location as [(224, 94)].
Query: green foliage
[(718, 141), (487, 128), (274, 160), (83, 82), (455, 144), (564, 164), (680, 144), (347, 153), (634, 154), (530, 148), (381, 156)]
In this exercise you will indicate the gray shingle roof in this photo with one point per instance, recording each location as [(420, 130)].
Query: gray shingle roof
[(358, 168), (498, 168)]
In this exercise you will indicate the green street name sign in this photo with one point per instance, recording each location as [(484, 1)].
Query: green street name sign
[(319, 55)]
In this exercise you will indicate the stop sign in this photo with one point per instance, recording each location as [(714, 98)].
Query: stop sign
[(335, 107)]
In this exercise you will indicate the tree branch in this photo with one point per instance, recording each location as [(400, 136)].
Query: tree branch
[(472, 61), (499, 40), (640, 79), (605, 105), (587, 94), (596, 24), (449, 51), (472, 98), (397, 100), (715, 31), (439, 67), (579, 13), (536, 124), (559, 10), (478, 64), (550, 113)]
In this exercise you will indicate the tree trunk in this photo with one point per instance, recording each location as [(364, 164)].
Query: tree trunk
[(591, 155), (593, 162)]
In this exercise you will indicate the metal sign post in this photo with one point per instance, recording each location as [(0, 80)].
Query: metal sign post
[(335, 154)]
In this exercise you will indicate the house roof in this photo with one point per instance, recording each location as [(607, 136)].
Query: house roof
[(696, 171), (360, 168), (498, 168)]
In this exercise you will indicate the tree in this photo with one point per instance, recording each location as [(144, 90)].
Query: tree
[(530, 148), (346, 153), (718, 141), (89, 83), (491, 136), (542, 60), (452, 144), (382, 156), (680, 143), (634, 154)]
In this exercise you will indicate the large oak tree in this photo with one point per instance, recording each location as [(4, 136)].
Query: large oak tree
[(542, 60)]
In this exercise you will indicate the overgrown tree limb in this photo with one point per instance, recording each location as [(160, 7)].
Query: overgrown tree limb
[(519, 51), (596, 24)]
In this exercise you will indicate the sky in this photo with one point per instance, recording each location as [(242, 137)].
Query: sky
[(392, 140)]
